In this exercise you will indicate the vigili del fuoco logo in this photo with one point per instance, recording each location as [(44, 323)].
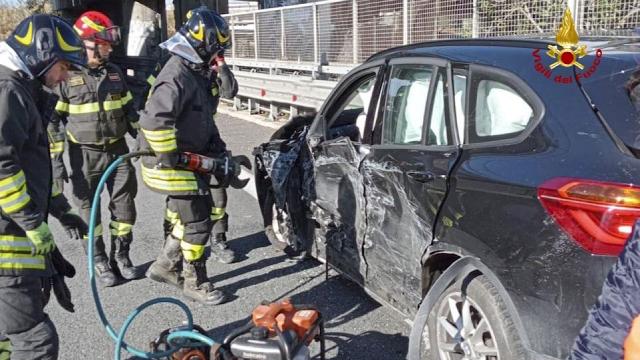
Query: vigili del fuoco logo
[(567, 53)]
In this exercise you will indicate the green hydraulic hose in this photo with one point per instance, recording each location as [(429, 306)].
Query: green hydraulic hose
[(119, 337)]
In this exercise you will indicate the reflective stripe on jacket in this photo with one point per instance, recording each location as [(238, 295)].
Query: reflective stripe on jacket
[(95, 106), (25, 173), (178, 117)]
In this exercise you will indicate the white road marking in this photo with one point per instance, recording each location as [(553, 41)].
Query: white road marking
[(251, 186)]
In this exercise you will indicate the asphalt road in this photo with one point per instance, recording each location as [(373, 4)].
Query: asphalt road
[(356, 326)]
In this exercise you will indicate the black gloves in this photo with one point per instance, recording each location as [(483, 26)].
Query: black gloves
[(133, 132), (73, 224), (61, 269)]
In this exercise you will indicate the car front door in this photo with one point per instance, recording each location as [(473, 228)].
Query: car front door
[(339, 140), (405, 176)]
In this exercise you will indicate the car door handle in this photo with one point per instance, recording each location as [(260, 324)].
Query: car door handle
[(421, 176)]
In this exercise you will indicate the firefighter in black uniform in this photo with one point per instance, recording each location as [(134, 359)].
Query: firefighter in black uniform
[(38, 52), (178, 117), (97, 111), (222, 83)]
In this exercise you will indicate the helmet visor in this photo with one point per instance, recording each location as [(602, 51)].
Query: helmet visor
[(110, 35)]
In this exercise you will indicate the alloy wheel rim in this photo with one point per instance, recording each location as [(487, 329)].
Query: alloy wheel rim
[(463, 331)]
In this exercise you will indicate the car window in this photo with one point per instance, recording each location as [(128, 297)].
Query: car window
[(350, 117), (406, 102), (460, 103), (438, 131), (499, 111)]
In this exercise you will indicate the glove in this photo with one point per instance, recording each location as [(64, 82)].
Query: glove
[(167, 160), (42, 239), (133, 132), (73, 224), (61, 265), (236, 168), (62, 268), (133, 129)]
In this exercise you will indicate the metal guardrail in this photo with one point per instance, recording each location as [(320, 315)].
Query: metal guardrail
[(280, 93)]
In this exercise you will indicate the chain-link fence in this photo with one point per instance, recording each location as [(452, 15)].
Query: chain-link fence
[(335, 32), (340, 32), (608, 17)]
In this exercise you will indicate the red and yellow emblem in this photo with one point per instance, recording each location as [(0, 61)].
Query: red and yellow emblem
[(567, 39)]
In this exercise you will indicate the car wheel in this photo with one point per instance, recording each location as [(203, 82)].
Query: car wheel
[(475, 326), (279, 231)]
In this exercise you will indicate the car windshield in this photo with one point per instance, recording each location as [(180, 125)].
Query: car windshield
[(614, 88)]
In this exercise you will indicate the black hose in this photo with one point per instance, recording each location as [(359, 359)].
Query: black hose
[(284, 347), (237, 332)]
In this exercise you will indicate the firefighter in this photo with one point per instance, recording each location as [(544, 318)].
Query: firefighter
[(96, 109), (178, 118), (38, 52), (223, 84)]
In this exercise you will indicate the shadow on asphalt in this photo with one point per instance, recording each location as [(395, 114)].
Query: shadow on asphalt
[(340, 301), (246, 282), (243, 245), (144, 267), (358, 346)]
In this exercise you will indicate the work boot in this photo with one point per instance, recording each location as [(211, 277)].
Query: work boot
[(197, 286), (220, 251), (103, 270), (166, 268), (167, 227), (120, 260)]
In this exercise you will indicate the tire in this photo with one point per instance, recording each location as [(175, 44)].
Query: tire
[(279, 232), (478, 327)]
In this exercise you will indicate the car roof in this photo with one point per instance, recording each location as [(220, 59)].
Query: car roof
[(467, 49)]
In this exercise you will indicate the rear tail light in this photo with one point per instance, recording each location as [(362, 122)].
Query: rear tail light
[(599, 216)]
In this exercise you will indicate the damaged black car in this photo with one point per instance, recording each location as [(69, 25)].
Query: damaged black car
[(474, 150)]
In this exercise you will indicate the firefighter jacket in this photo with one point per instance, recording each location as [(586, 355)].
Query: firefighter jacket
[(178, 117), (223, 83), (94, 106), (25, 173)]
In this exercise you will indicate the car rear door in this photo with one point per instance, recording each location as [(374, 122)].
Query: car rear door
[(339, 140), (405, 176)]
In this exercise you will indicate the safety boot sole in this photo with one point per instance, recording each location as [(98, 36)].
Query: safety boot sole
[(216, 297)]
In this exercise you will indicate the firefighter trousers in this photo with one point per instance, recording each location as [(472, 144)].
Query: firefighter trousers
[(23, 320), (219, 216), (191, 224), (88, 163)]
